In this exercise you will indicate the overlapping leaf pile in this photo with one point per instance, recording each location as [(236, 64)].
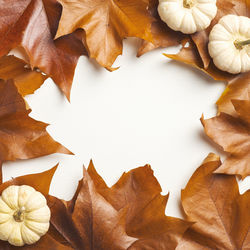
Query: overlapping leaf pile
[(131, 214)]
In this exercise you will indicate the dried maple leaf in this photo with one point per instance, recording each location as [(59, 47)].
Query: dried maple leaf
[(220, 214), (32, 24), (90, 221), (25, 79), (106, 23), (21, 137), (41, 182), (139, 192), (233, 134)]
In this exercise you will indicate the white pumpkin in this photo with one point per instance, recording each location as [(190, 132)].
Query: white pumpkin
[(24, 215), (229, 44), (187, 16)]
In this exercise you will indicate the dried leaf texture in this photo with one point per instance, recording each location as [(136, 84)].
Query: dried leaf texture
[(237, 89), (25, 79), (162, 35), (32, 24), (220, 214), (139, 192), (232, 133), (106, 23), (89, 221), (41, 182), (21, 137)]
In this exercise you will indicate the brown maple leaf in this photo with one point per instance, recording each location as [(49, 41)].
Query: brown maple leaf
[(32, 24), (41, 182), (220, 214), (139, 192), (232, 133), (89, 221), (22, 137), (25, 79), (106, 23)]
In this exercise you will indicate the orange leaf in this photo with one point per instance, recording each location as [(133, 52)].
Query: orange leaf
[(106, 23), (25, 79)]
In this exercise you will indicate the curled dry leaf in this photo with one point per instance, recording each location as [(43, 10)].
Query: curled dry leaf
[(106, 23), (41, 182), (32, 24), (21, 137), (25, 79), (232, 133), (220, 214)]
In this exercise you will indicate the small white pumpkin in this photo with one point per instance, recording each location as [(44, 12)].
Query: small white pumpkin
[(229, 44), (187, 16), (24, 215)]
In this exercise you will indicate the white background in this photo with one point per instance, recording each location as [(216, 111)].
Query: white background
[(147, 112)]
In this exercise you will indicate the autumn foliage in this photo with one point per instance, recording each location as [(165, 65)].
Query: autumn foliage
[(52, 35)]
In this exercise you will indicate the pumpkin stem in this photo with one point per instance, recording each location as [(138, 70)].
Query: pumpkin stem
[(240, 44), (188, 4), (19, 215)]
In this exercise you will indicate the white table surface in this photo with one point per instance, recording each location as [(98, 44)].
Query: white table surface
[(147, 112)]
